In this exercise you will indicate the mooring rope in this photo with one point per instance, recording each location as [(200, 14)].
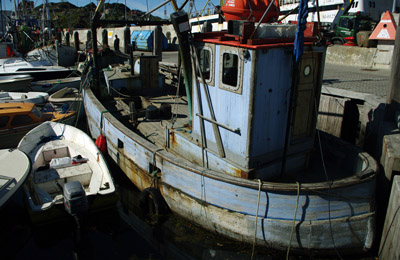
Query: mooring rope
[(255, 227), (294, 221)]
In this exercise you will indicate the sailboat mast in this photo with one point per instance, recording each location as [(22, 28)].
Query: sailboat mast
[(45, 18), (48, 19), (16, 11)]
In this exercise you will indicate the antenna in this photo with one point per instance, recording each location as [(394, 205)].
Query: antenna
[(190, 7)]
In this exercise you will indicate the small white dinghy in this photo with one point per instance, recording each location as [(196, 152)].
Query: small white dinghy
[(30, 97), (14, 169), (61, 156)]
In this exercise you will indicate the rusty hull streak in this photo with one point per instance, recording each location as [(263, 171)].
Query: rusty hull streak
[(139, 177), (172, 139)]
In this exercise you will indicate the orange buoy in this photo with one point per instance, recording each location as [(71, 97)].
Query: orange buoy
[(101, 143), (250, 10)]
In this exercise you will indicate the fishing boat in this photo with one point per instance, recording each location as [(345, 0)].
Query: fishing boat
[(15, 83), (30, 97), (69, 173), (16, 119), (15, 167), (240, 155), (53, 85)]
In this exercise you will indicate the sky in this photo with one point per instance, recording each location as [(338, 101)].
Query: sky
[(143, 5)]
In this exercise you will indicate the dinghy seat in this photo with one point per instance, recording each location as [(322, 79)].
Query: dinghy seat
[(47, 179), (55, 149)]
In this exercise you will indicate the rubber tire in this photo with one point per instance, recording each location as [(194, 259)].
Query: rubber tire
[(154, 205), (337, 42)]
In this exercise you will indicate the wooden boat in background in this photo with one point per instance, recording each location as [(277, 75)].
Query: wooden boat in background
[(16, 119), (70, 96), (29, 97), (229, 156), (62, 154), (15, 167), (53, 85)]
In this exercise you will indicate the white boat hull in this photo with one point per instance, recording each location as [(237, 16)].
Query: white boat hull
[(41, 189)]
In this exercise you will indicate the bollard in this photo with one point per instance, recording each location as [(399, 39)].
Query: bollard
[(67, 42), (76, 41), (89, 40), (104, 37), (59, 36), (127, 39)]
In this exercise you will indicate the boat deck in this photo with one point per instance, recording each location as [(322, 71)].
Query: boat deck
[(152, 129), (335, 164)]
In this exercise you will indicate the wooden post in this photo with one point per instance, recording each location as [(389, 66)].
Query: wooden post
[(157, 43), (393, 94), (390, 245)]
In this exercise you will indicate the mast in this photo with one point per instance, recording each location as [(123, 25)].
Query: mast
[(45, 9), (48, 18), (16, 11)]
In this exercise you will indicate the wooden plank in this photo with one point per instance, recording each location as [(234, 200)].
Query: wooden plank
[(390, 244)]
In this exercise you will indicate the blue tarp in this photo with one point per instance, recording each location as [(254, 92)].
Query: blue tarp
[(301, 26), (143, 40)]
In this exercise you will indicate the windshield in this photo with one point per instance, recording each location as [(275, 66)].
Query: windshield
[(363, 25), (36, 112)]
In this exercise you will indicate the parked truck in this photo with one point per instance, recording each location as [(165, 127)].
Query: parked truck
[(352, 29)]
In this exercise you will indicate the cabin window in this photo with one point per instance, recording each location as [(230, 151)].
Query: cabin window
[(230, 69), (204, 56), (3, 121), (21, 120), (37, 112), (346, 23)]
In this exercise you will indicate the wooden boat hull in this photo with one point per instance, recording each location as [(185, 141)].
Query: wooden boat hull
[(53, 85), (10, 138), (70, 96), (31, 97), (339, 215)]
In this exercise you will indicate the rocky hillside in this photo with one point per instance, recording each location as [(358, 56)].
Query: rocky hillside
[(67, 15)]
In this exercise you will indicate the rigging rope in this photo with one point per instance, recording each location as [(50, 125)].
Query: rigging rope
[(294, 221)]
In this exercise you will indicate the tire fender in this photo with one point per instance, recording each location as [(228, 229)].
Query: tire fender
[(153, 204)]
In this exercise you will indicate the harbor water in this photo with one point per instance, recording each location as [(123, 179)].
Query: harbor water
[(111, 235)]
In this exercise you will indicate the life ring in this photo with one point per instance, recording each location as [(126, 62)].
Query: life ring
[(153, 205)]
